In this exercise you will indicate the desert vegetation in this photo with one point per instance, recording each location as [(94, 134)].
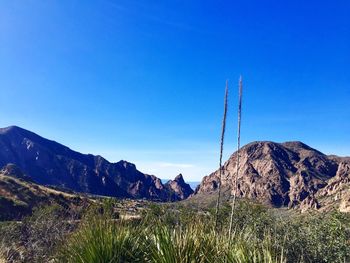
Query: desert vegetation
[(176, 233)]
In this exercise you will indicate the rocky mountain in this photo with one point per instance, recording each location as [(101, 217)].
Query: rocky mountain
[(179, 188), (290, 174), (47, 162)]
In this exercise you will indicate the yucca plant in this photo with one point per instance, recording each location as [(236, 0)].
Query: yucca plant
[(101, 238), (100, 241), (186, 245)]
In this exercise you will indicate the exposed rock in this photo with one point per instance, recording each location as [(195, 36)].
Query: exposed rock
[(178, 188), (50, 163), (337, 191), (310, 202), (344, 205), (13, 170), (282, 174)]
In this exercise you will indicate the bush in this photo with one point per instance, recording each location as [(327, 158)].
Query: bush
[(36, 237)]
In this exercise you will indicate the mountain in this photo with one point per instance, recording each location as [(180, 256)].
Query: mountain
[(47, 162), (19, 195), (179, 188), (290, 174)]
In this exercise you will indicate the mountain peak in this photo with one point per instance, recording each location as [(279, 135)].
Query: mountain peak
[(181, 189), (16, 131), (179, 178), (10, 129), (280, 174), (297, 145)]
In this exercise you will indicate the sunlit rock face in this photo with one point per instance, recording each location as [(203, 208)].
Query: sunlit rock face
[(289, 174)]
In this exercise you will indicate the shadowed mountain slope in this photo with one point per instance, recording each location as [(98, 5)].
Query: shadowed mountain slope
[(47, 162)]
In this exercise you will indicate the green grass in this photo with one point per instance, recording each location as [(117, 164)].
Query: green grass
[(170, 233), (106, 241)]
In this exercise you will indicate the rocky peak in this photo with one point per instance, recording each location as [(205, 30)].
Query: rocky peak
[(279, 174), (178, 188), (126, 165), (179, 179)]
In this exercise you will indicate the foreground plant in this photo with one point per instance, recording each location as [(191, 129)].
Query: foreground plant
[(103, 240)]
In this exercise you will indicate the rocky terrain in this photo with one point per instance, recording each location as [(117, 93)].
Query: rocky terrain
[(179, 188), (47, 162), (289, 174)]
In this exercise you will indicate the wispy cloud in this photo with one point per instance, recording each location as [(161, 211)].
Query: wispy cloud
[(148, 12)]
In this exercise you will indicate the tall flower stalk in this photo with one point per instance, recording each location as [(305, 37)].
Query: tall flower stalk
[(220, 161), (235, 178)]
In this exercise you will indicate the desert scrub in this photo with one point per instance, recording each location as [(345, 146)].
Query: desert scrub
[(36, 237), (317, 237), (158, 239), (169, 233), (105, 240)]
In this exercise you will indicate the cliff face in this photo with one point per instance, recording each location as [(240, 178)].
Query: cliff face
[(50, 163), (179, 188), (337, 191), (282, 174)]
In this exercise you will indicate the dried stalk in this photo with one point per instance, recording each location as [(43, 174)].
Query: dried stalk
[(220, 161), (237, 162)]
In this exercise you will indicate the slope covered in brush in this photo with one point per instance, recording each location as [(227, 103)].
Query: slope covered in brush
[(19, 195)]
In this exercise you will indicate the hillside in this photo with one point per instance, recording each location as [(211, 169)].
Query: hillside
[(19, 195), (290, 174), (50, 163)]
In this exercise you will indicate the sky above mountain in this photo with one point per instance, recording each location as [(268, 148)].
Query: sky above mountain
[(144, 80)]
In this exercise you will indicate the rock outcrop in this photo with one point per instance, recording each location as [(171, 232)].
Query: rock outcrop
[(289, 174), (179, 188)]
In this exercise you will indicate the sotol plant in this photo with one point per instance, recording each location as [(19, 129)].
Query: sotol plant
[(220, 159), (235, 178)]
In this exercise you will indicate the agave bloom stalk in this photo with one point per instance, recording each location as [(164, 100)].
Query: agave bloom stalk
[(235, 178), (221, 151)]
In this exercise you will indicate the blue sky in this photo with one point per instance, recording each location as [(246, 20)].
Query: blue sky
[(144, 80)]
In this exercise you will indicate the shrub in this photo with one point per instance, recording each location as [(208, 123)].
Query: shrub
[(36, 237)]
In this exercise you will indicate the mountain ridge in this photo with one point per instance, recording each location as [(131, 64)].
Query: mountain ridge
[(50, 163)]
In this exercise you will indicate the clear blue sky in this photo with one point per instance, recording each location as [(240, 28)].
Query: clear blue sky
[(144, 80)]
